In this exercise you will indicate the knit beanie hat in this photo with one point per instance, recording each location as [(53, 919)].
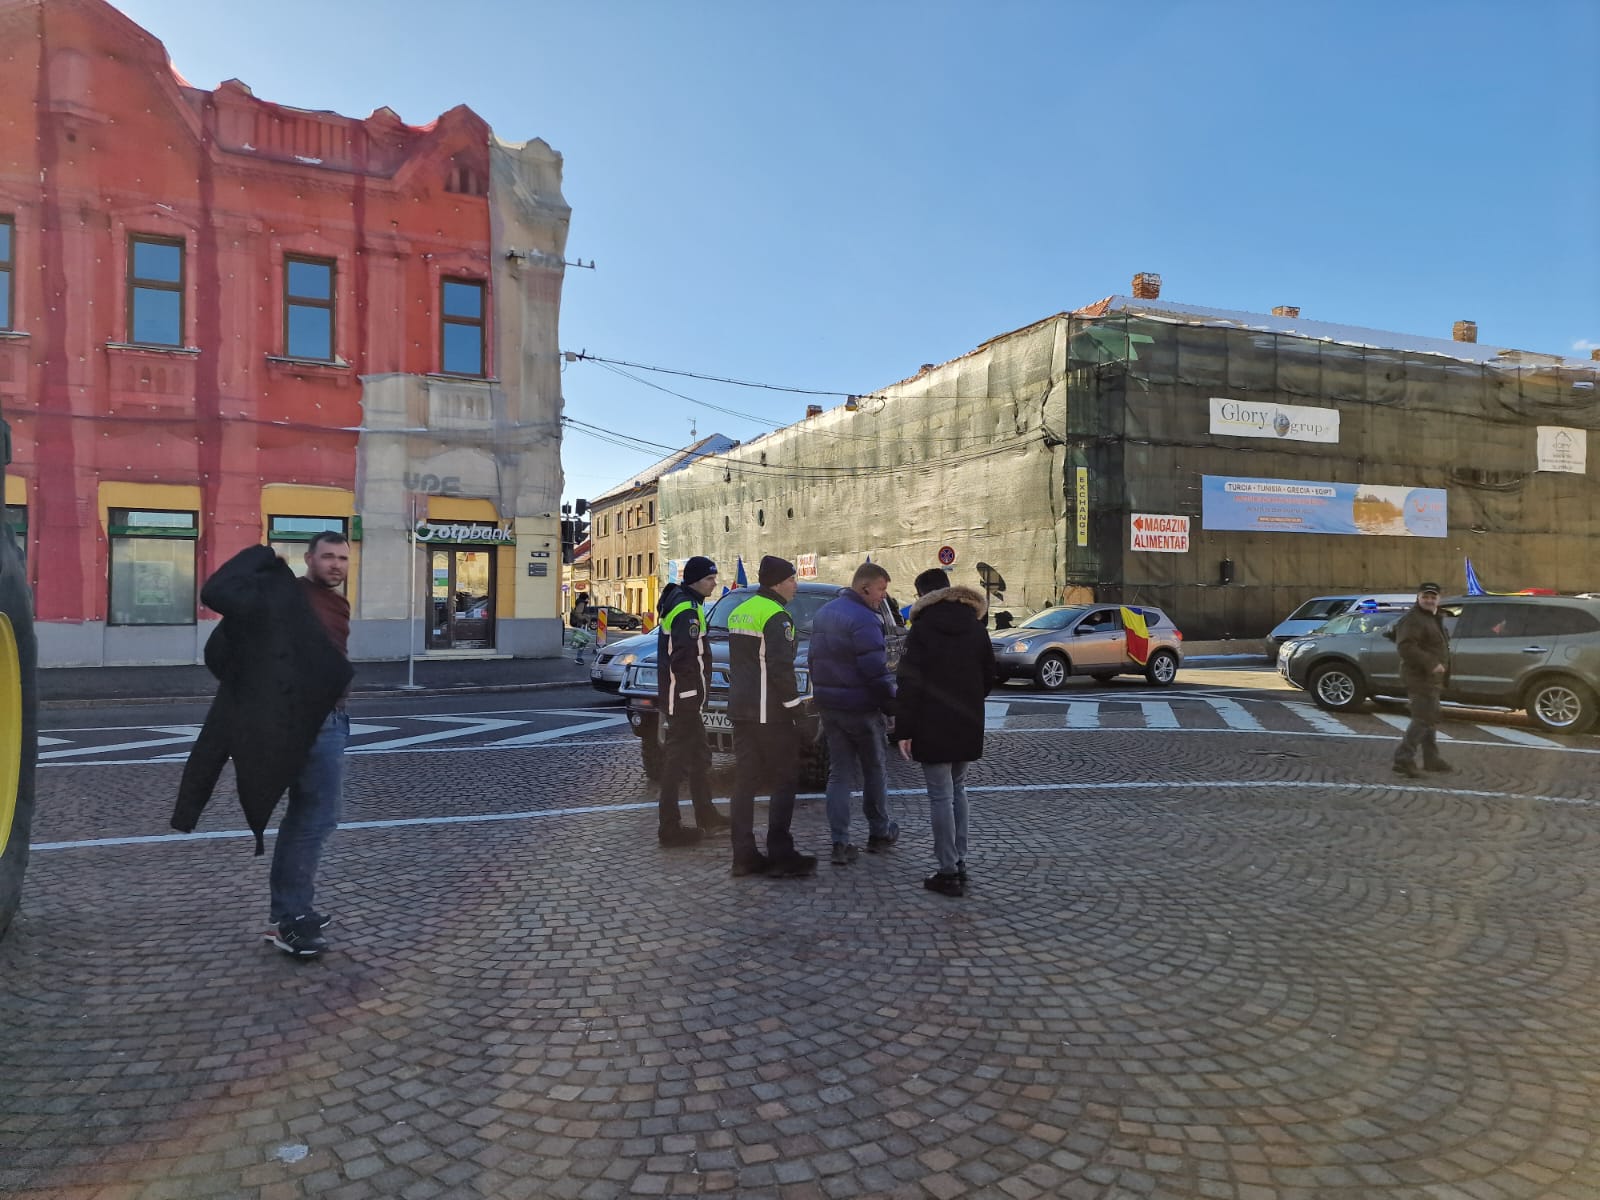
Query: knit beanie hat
[(697, 568), (774, 570), (933, 579)]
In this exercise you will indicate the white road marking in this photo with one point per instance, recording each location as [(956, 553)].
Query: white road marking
[(550, 735), (994, 714), (1158, 714), (1081, 715), (356, 730), (1326, 722), (1142, 785), (1234, 715), (1403, 723), (50, 741), (1520, 736), (467, 727), (176, 733)]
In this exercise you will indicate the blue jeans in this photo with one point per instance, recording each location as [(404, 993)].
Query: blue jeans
[(316, 801), (947, 809), (857, 746)]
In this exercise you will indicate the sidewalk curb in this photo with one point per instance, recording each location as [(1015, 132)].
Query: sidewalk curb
[(376, 694)]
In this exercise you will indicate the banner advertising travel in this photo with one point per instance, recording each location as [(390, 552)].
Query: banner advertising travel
[(1263, 419), (1301, 506)]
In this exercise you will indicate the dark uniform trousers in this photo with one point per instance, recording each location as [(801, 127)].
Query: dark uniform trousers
[(1423, 732), (763, 753), (687, 755)]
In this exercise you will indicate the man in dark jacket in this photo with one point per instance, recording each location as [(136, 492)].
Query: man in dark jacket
[(762, 702), (1424, 666), (947, 670), (683, 675), (281, 661), (854, 687)]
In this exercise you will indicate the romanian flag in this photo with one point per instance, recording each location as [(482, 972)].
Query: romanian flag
[(1138, 635)]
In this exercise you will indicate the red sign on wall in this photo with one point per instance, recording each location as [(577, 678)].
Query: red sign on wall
[(1161, 533)]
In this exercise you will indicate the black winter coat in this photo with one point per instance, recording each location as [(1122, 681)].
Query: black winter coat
[(279, 678), (947, 670)]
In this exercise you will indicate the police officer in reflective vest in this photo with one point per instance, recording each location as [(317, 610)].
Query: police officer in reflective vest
[(763, 704), (683, 674)]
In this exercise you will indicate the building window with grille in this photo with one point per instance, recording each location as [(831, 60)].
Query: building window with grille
[(8, 270), (308, 308), (152, 567), (462, 345), (155, 291)]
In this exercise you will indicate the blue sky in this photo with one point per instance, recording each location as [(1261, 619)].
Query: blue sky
[(830, 194)]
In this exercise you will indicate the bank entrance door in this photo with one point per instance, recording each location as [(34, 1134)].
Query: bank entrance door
[(461, 598)]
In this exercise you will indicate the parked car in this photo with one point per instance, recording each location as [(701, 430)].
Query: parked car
[(616, 618), (1057, 643), (639, 683), (1539, 653), (1351, 622), (1319, 610), (612, 660)]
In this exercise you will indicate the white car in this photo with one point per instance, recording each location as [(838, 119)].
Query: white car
[(613, 659), (1319, 610)]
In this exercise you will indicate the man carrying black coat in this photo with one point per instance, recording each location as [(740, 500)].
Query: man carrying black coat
[(946, 672), (280, 658)]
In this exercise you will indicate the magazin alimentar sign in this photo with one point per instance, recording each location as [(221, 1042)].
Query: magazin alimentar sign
[(1303, 506)]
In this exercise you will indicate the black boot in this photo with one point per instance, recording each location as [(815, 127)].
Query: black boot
[(1406, 768), (677, 835)]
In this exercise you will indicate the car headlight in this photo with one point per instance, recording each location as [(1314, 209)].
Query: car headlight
[(644, 677), (1018, 647), (626, 659)]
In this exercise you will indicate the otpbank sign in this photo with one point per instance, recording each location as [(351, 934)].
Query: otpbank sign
[(467, 533)]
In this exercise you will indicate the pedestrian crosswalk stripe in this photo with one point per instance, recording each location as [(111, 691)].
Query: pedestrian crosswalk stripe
[(1158, 714), (1234, 714), (1326, 722), (1520, 736), (1402, 723), (1083, 715)]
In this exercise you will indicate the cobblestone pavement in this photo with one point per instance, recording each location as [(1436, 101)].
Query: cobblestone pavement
[(1245, 965)]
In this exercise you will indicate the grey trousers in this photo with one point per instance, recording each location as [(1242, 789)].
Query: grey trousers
[(1423, 731)]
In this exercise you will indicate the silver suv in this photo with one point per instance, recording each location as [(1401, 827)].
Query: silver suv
[(1539, 653), (1087, 640)]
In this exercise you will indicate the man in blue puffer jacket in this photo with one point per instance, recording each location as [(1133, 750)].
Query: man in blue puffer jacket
[(854, 691)]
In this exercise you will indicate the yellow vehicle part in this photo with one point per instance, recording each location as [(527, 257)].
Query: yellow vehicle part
[(10, 728)]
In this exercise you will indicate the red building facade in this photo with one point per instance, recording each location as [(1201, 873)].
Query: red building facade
[(196, 289)]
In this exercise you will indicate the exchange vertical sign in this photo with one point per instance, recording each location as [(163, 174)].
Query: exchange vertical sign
[(1162, 533), (1083, 506)]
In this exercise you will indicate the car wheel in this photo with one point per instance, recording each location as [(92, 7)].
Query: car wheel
[(1338, 687), (814, 766), (18, 732), (1561, 705), (1162, 668), (651, 752), (1051, 671)]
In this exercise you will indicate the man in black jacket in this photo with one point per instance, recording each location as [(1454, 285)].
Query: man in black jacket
[(947, 670), (280, 658), (762, 702), (1424, 665), (683, 679)]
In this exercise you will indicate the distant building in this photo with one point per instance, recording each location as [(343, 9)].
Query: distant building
[(625, 570), (225, 321), (1221, 465)]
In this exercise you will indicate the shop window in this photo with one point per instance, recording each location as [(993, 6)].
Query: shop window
[(290, 536), (461, 336), (152, 567), (17, 518), (308, 308), (155, 292), (8, 263)]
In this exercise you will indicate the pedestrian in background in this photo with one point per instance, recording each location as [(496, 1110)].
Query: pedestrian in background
[(683, 679), (763, 701), (945, 674), (1424, 667), (280, 656), (854, 691)]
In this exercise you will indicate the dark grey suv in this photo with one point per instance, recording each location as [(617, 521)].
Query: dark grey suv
[(1539, 653)]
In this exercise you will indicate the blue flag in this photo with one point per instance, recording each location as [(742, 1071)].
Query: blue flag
[(740, 579), (1474, 588)]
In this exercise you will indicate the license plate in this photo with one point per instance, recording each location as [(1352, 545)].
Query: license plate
[(716, 720)]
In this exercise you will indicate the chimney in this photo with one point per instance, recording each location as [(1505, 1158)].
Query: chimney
[(1286, 310), (1464, 331), (813, 410), (1147, 286)]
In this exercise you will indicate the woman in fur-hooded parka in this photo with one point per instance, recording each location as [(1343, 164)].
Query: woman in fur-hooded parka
[(947, 670)]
